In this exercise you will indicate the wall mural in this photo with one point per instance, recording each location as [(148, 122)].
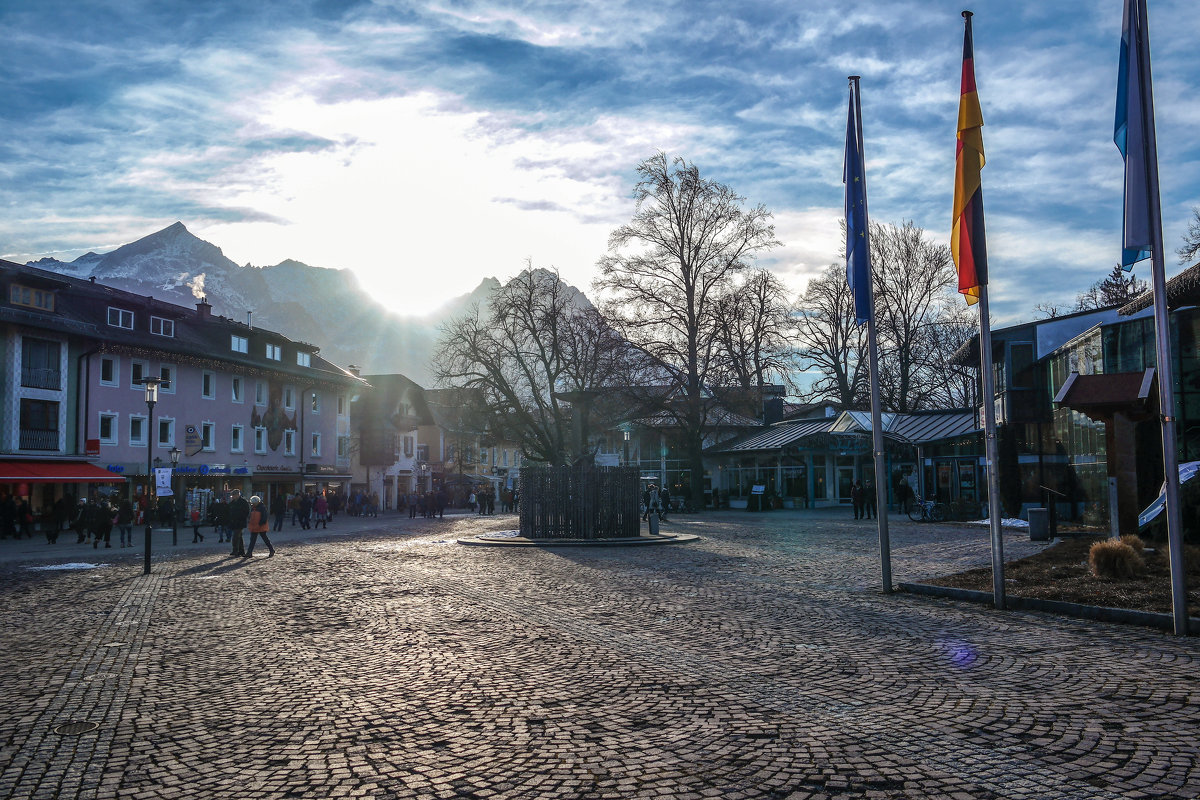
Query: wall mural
[(275, 418)]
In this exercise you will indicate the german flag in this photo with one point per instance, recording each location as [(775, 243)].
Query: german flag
[(967, 240)]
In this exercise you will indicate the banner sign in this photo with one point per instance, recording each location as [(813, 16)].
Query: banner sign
[(193, 442), (162, 482)]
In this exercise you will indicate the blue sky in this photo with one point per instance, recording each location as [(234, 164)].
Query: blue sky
[(428, 145)]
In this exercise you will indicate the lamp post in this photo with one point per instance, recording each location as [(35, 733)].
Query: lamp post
[(174, 453), (151, 385)]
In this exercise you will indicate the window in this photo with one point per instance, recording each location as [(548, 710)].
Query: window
[(316, 403), (506, 458), (260, 393), (40, 363), (33, 298), (120, 318), (39, 425), (236, 443), (162, 327), (408, 446), (137, 431), (341, 405), (208, 432), (236, 391), (208, 385), (110, 371), (303, 359), (166, 373), (315, 450), (274, 352), (260, 439), (166, 432), (343, 446), (108, 428), (289, 442), (289, 398), (239, 344), (138, 370)]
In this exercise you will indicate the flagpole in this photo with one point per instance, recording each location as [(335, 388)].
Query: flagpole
[(881, 516), (1162, 336), (989, 448), (969, 248)]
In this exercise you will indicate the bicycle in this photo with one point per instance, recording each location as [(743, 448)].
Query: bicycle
[(926, 510)]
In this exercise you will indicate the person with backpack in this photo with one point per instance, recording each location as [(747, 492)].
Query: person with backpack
[(259, 524)]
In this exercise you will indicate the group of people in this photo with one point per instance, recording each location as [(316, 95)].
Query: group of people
[(16, 517), (656, 501), (863, 500), (426, 504)]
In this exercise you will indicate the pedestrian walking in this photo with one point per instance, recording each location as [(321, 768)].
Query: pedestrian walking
[(102, 524), (664, 503), (321, 509), (869, 503), (239, 514), (278, 510), (197, 536), (259, 525), (125, 522), (857, 499)]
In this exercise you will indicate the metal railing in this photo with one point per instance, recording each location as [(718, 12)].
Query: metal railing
[(40, 378), (38, 440)]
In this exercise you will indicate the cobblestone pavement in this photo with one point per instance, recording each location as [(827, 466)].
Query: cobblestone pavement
[(762, 661)]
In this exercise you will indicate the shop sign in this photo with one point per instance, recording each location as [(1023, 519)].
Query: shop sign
[(211, 469), (321, 469), (117, 469)]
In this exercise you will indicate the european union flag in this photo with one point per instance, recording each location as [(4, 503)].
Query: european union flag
[(1130, 134), (858, 256)]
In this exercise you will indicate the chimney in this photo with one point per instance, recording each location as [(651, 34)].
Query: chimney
[(250, 320), (354, 370), (203, 309), (772, 410), (92, 278)]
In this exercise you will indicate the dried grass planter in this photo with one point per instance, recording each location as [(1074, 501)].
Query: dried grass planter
[(1115, 559)]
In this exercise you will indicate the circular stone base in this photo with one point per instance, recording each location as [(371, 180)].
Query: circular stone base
[(514, 539)]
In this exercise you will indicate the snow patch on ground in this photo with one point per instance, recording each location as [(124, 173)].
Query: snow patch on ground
[(72, 565), (1005, 522)]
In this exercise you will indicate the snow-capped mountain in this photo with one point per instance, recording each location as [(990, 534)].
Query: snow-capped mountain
[(325, 307)]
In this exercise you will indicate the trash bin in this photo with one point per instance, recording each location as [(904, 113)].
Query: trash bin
[(1039, 524), (653, 520)]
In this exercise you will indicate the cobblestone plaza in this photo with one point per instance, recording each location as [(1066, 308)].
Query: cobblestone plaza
[(384, 660)]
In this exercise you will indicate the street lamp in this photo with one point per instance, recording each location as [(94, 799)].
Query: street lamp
[(175, 452), (151, 385)]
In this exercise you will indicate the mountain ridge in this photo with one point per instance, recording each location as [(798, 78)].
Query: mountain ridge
[(325, 306)]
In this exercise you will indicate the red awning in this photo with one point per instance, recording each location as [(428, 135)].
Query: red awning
[(55, 472)]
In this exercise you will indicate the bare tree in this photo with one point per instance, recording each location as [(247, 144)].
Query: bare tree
[(1116, 288), (829, 342), (953, 385), (665, 272), (911, 278), (539, 338), (1191, 240), (753, 328), (1048, 310)]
